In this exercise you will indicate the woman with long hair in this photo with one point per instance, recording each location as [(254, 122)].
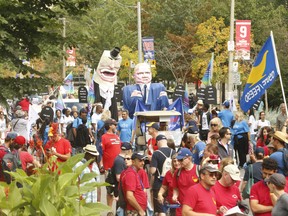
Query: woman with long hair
[(264, 138), (241, 138), (262, 121)]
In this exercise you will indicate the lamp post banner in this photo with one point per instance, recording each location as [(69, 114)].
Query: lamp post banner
[(148, 48), (243, 31)]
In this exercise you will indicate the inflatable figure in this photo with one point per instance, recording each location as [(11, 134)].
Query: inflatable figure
[(105, 78), (152, 95)]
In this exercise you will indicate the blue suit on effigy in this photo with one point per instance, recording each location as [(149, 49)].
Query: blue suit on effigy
[(154, 101)]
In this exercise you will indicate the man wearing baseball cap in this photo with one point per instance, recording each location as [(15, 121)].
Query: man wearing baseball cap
[(276, 184), (226, 192), (117, 168), (90, 153), (153, 128), (226, 115), (133, 187), (200, 198), (185, 177)]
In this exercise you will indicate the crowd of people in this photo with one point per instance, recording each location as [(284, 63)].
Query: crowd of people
[(201, 176)]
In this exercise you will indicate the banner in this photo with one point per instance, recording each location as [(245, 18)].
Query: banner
[(264, 72), (68, 84), (148, 48), (176, 122), (206, 80), (71, 59), (243, 31)]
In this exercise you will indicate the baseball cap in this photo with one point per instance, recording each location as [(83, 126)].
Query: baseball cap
[(154, 125), (138, 156), (200, 102), (193, 128), (12, 135), (20, 140), (184, 152), (126, 146), (111, 121), (259, 150), (277, 179), (160, 137), (226, 103), (233, 171), (210, 168)]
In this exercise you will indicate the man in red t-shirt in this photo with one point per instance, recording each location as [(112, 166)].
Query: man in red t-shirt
[(200, 198), (57, 146), (184, 177), (226, 192), (133, 187), (111, 144), (153, 129), (261, 200)]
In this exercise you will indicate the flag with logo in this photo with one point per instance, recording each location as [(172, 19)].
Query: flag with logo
[(263, 74), (206, 80), (186, 99), (176, 121), (59, 103)]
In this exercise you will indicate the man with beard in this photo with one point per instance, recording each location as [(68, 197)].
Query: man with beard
[(152, 95)]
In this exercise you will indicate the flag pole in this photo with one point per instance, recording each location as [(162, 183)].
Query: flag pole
[(278, 68)]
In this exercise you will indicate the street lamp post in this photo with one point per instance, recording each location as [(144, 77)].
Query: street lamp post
[(231, 50), (139, 32)]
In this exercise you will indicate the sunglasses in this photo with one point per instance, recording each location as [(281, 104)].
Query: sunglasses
[(127, 158), (228, 133), (214, 125), (212, 174)]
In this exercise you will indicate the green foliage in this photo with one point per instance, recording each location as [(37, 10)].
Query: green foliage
[(50, 193)]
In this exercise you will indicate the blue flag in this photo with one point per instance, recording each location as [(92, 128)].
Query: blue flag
[(206, 80), (263, 74), (176, 121)]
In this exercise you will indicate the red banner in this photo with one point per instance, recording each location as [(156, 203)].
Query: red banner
[(243, 31)]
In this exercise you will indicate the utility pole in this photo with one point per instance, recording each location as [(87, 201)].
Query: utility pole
[(64, 49), (139, 32), (231, 49)]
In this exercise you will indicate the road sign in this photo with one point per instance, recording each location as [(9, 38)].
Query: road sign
[(236, 78)]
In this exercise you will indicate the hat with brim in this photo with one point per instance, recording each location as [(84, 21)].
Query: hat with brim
[(233, 171), (138, 156), (126, 146), (91, 149), (12, 135), (280, 136), (154, 125), (184, 152), (277, 179), (200, 102), (20, 140), (210, 168)]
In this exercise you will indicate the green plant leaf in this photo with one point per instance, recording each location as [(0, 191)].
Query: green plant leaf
[(87, 177), (47, 208), (65, 179)]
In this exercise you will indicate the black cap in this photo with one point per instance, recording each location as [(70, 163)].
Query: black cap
[(160, 137), (115, 52), (126, 146), (154, 125)]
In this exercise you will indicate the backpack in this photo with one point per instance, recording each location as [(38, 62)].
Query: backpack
[(82, 137), (10, 162), (285, 159), (166, 165)]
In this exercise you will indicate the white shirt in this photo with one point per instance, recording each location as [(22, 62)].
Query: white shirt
[(65, 121), (253, 125), (205, 125)]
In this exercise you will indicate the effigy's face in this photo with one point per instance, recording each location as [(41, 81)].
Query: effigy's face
[(108, 67), (142, 74)]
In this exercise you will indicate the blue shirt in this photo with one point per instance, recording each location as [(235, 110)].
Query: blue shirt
[(278, 156), (226, 117), (197, 152), (125, 128), (240, 127)]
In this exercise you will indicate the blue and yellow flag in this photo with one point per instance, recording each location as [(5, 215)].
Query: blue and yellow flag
[(206, 80), (263, 74)]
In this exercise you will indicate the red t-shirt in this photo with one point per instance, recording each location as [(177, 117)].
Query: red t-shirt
[(153, 143), (62, 146), (260, 191), (168, 182), (200, 199), (131, 182), (226, 196), (25, 158), (186, 179), (111, 145), (3, 151), (144, 177), (24, 104)]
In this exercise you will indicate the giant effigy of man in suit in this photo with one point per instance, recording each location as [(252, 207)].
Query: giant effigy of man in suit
[(105, 78), (152, 95)]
